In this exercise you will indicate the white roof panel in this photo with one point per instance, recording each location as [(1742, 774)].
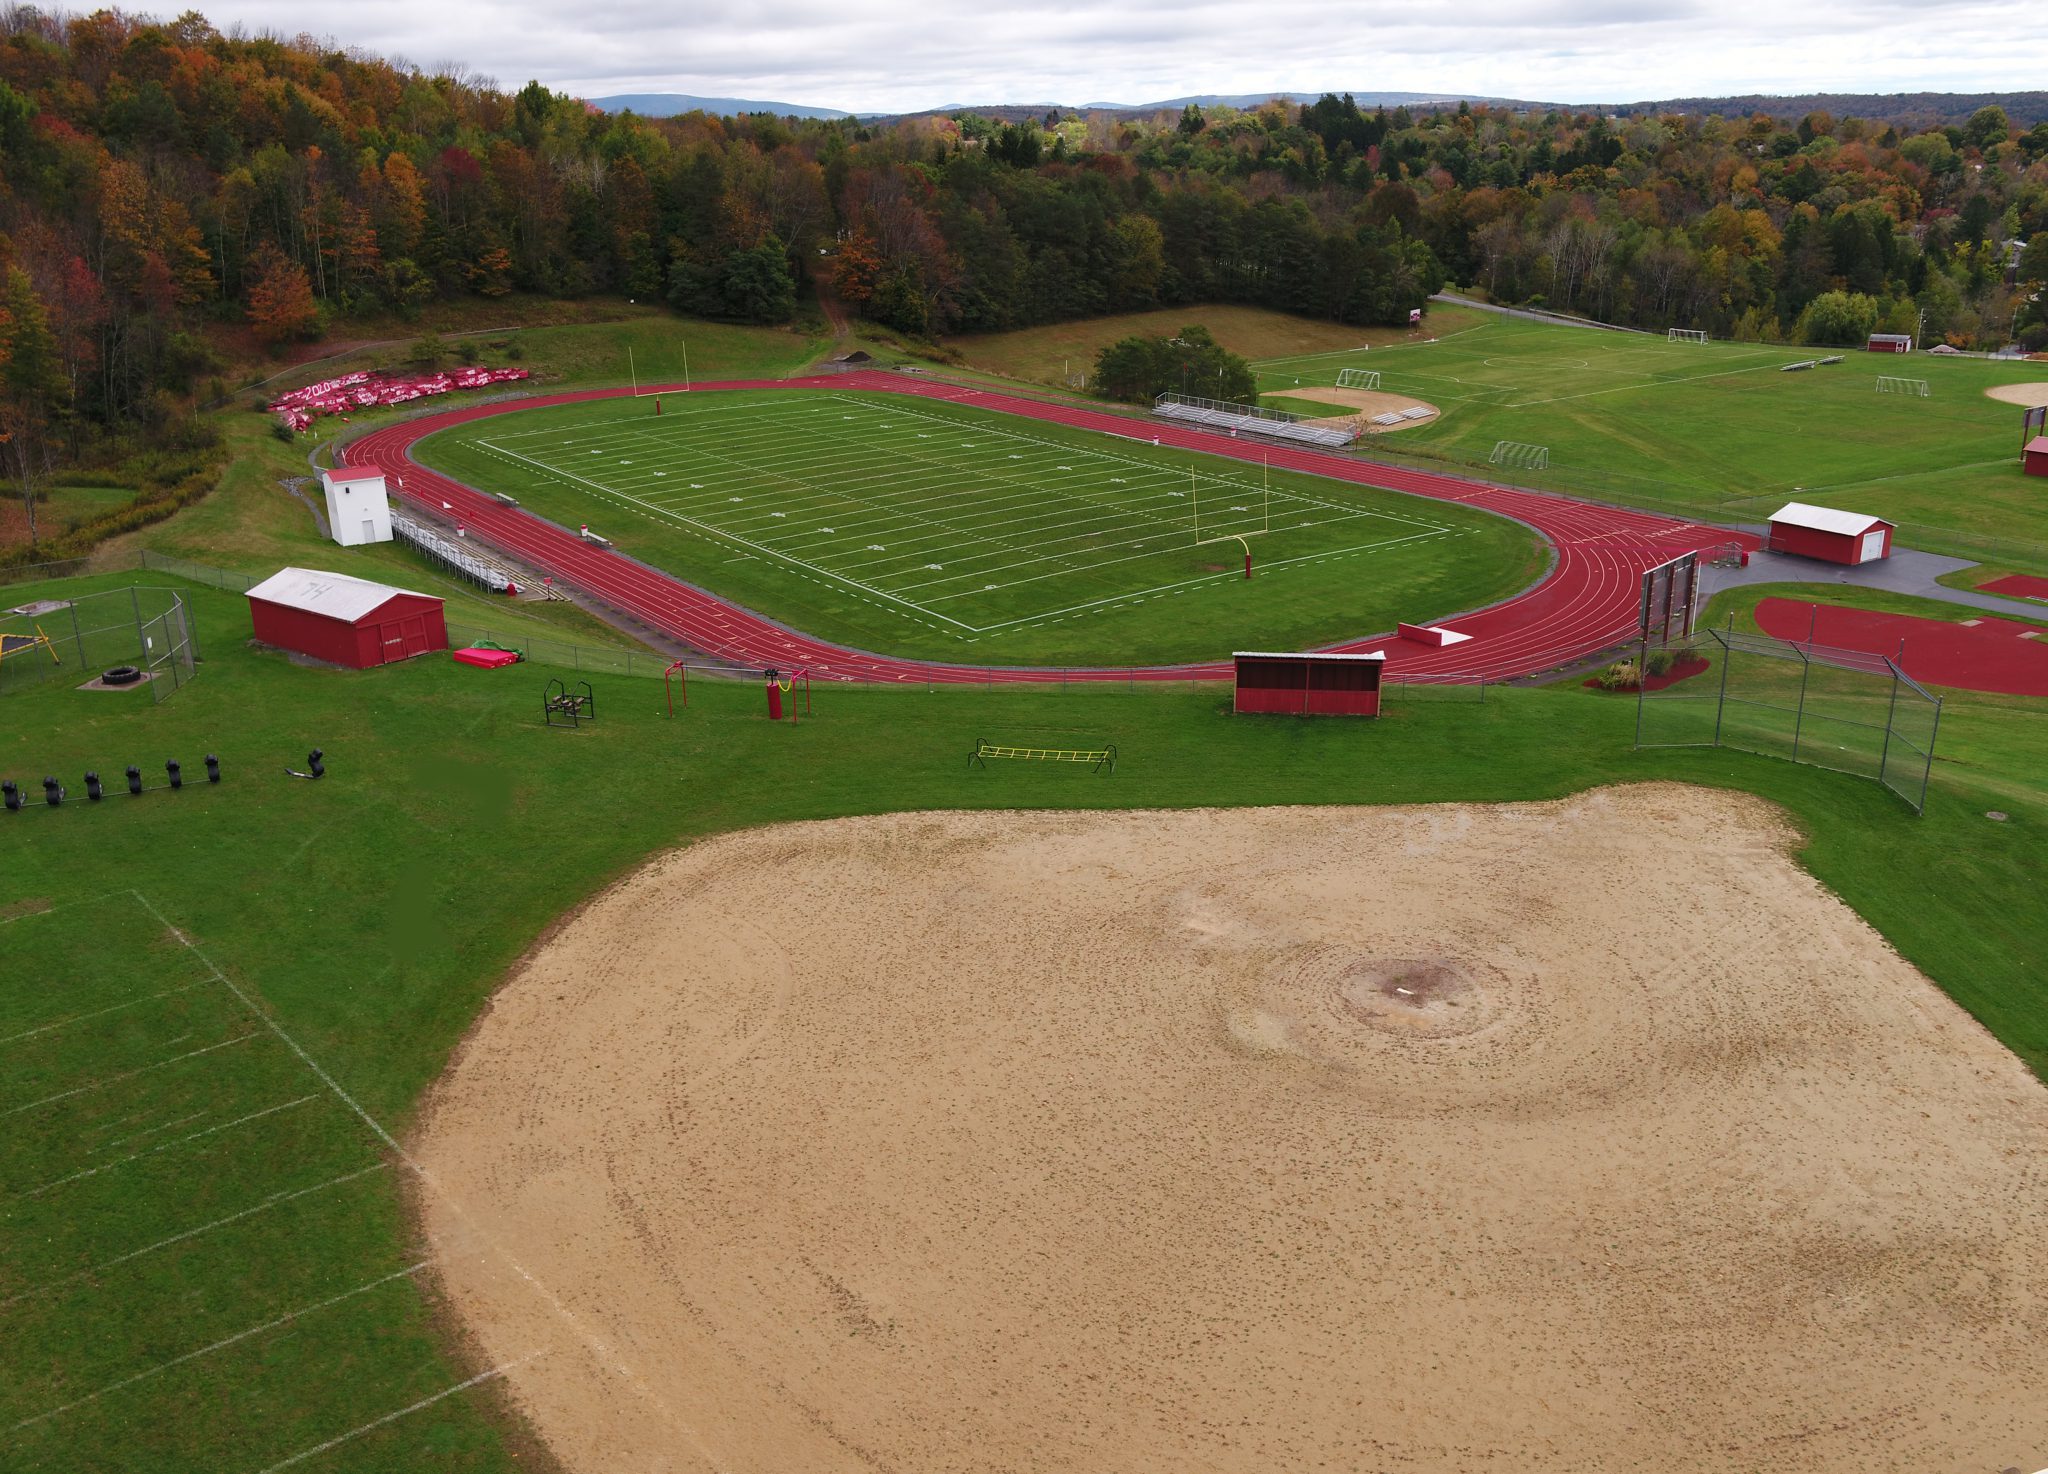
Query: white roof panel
[(1827, 519), (335, 595)]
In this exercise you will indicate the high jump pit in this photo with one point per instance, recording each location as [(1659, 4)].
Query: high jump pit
[(1582, 1135)]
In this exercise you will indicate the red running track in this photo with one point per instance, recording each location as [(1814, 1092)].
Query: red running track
[(1983, 655), (1586, 603)]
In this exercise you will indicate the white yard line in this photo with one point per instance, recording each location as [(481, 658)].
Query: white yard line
[(101, 1084), (425, 1402), (221, 1345), (193, 1136), (79, 1018)]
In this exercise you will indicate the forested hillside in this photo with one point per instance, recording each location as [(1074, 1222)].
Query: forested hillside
[(168, 187)]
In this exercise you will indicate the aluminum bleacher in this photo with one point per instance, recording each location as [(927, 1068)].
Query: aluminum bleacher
[(1249, 419), (450, 554)]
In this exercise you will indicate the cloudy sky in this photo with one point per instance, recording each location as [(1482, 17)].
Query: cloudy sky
[(903, 55)]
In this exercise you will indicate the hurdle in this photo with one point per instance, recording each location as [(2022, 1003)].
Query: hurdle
[(1098, 758)]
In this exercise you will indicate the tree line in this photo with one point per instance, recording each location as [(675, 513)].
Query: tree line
[(164, 184)]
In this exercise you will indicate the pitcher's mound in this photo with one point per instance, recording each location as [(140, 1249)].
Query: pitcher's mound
[(1568, 1136)]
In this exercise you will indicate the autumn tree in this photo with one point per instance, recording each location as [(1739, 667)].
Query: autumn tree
[(281, 305), (32, 388)]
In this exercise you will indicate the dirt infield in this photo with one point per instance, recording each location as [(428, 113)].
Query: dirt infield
[(1564, 1136), (2029, 395), (1368, 402)]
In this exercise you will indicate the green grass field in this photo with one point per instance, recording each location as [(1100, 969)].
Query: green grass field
[(929, 529), (1717, 429), (221, 1006)]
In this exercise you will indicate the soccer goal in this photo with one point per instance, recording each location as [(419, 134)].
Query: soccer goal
[(1358, 378), (1521, 455), (1684, 335), (1892, 384)]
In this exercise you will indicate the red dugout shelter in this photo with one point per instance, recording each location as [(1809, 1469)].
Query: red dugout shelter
[(348, 621), (1309, 684)]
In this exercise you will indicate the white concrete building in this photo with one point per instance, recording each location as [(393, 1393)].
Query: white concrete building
[(358, 510)]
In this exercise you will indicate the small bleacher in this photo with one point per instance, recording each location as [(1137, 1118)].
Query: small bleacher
[(1249, 419)]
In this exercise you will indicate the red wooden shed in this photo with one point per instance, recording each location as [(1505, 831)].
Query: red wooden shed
[(348, 621), (1309, 684), (2035, 456), (1890, 343), (1829, 534)]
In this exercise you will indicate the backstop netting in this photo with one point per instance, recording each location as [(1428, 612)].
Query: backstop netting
[(1838, 709)]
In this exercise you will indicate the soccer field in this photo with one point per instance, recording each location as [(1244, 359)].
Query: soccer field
[(922, 529), (1716, 429)]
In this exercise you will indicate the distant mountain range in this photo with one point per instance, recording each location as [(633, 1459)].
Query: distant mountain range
[(674, 104), (1907, 109)]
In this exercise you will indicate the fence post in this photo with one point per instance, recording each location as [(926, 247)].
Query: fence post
[(191, 627), (1927, 763), (1891, 711), (77, 636), (1799, 716), (1721, 701)]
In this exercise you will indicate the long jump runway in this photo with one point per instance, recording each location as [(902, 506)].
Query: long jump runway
[(1586, 603)]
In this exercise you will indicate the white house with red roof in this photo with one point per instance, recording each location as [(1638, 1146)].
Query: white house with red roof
[(358, 509)]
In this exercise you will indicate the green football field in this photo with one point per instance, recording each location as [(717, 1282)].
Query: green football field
[(1719, 429), (932, 530)]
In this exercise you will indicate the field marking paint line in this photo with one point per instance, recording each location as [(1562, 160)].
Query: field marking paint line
[(93, 1085), (697, 411), (762, 549), (1185, 584), (223, 1344), (191, 1233), (193, 1136), (1647, 384), (597, 1345), (1208, 477), (79, 1018), (424, 1402), (948, 467)]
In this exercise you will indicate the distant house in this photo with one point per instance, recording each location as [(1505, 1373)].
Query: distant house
[(1832, 535), (1890, 343), (358, 508)]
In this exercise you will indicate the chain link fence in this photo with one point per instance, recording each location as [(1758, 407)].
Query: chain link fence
[(1839, 709), (148, 628)]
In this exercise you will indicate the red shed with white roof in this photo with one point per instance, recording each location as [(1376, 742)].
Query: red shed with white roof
[(1830, 534), (348, 621)]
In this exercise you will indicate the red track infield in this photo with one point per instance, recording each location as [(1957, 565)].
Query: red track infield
[(2019, 586), (1587, 602), (1994, 655)]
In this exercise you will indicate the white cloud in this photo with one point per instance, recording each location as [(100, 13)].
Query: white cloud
[(869, 56)]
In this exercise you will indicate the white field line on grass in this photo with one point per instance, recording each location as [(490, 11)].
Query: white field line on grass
[(221, 1345), (1651, 384), (101, 1084), (1481, 327), (191, 1233), (709, 529), (598, 1347), (1228, 573), (1162, 527), (425, 1402), (166, 1146), (934, 540), (79, 1018)]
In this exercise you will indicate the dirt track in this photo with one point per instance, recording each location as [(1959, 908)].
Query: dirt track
[(1591, 1135)]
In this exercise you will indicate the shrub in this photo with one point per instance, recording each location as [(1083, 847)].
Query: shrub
[(1659, 662), (1620, 676)]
